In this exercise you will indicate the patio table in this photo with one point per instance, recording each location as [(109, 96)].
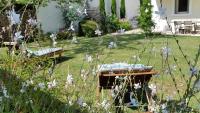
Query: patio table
[(107, 76), (48, 52), (11, 46)]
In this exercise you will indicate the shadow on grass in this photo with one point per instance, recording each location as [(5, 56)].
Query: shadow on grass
[(62, 59), (89, 45), (32, 101)]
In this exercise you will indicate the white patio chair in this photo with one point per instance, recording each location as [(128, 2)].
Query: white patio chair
[(188, 26), (197, 27)]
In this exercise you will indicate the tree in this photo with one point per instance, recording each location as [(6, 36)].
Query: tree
[(122, 9), (113, 7), (145, 18), (102, 7)]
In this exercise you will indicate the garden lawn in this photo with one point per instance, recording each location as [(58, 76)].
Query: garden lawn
[(130, 49)]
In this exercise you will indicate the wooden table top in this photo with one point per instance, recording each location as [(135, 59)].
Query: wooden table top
[(10, 43), (131, 74)]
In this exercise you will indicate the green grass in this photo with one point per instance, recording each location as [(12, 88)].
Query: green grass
[(127, 46)]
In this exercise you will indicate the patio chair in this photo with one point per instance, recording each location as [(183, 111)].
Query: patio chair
[(179, 27), (188, 26), (197, 27), (48, 52)]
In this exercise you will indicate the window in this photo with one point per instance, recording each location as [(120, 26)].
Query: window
[(181, 6)]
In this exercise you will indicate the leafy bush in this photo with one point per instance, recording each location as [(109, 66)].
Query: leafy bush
[(88, 27), (112, 23), (125, 24), (72, 12), (64, 35)]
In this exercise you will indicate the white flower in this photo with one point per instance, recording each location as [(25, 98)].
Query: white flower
[(174, 67), (112, 45), (29, 82), (94, 71), (193, 71), (71, 28), (113, 94), (166, 51), (18, 36), (116, 77), (164, 108), (137, 86), (81, 103), (84, 104), (85, 12), (32, 22), (5, 92), (133, 102), (69, 79), (70, 7), (146, 10), (35, 88), (136, 58), (79, 11), (153, 89), (105, 104), (169, 98), (51, 84), (53, 37), (14, 17), (41, 85), (24, 85), (74, 40), (70, 103), (88, 58), (98, 32), (22, 90), (121, 31), (3, 29)]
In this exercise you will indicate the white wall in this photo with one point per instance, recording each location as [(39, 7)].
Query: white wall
[(50, 18), (107, 6), (169, 6), (132, 7)]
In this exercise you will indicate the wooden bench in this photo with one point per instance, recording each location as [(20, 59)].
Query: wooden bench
[(48, 52)]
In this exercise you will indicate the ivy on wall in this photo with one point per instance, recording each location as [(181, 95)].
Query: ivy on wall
[(122, 9)]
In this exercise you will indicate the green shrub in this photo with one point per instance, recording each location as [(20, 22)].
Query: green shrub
[(64, 35), (88, 27), (145, 18), (112, 23), (122, 9), (125, 24)]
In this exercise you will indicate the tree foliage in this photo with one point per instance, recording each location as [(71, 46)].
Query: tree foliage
[(145, 18), (113, 7), (122, 9), (102, 7)]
